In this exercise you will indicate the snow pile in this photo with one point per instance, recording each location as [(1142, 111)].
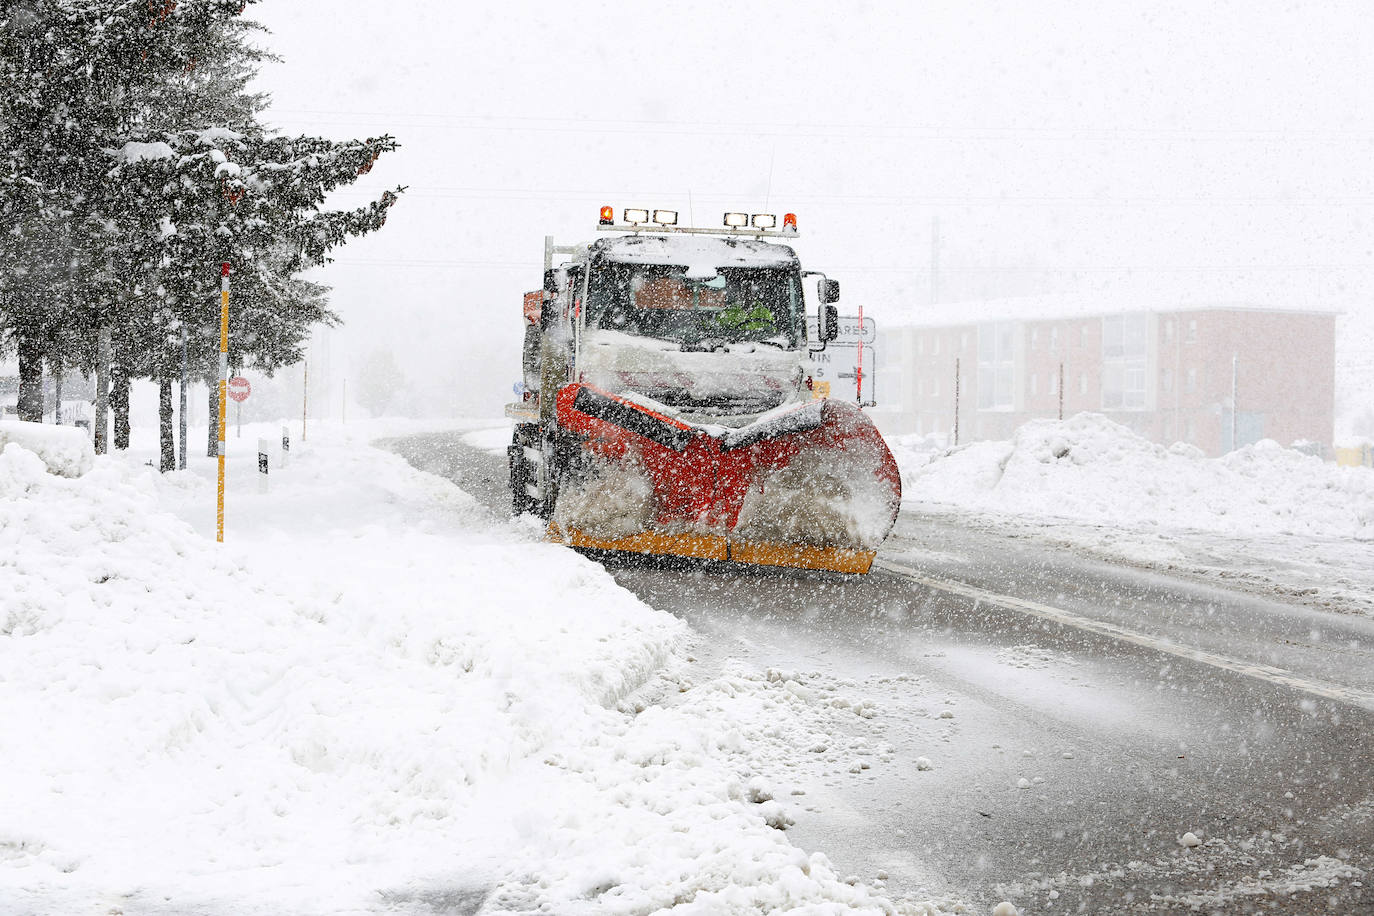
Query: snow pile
[(608, 500), (373, 697), (1090, 469), (825, 498), (64, 450)]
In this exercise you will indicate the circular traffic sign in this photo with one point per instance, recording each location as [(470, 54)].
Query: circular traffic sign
[(239, 389)]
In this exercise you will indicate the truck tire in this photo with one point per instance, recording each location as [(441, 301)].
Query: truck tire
[(524, 474)]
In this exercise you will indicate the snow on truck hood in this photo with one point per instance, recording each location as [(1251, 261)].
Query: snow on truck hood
[(659, 369)]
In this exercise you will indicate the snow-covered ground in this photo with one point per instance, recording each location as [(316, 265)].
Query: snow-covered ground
[(1263, 517), (375, 696)]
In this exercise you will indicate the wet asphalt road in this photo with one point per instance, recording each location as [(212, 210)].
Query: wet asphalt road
[(1063, 763)]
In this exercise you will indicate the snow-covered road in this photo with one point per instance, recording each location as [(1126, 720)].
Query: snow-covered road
[(989, 753)]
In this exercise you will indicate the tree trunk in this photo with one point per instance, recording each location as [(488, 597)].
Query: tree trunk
[(119, 403), (168, 446), (30, 406), (212, 412)]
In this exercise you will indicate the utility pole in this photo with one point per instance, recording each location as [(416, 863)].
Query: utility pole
[(1235, 372), (1061, 392), (956, 400), (935, 259)]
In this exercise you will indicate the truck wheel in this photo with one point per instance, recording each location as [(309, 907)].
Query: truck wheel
[(524, 474)]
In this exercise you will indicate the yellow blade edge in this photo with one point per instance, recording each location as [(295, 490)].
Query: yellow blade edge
[(697, 546), (715, 547), (803, 556)]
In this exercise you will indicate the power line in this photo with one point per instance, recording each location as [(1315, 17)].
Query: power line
[(884, 200), (449, 120)]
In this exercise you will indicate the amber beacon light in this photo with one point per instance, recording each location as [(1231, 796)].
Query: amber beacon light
[(607, 216)]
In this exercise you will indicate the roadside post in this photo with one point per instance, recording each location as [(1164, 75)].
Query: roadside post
[(223, 374), (239, 389), (264, 450), (285, 445), (859, 364)]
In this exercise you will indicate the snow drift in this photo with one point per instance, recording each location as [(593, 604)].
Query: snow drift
[(364, 702), (1088, 468), (64, 450)]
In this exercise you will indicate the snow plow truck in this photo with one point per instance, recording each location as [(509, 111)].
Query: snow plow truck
[(667, 405)]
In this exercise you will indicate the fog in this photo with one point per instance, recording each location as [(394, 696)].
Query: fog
[(1217, 154)]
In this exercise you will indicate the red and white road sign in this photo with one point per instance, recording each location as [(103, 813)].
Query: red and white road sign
[(239, 389)]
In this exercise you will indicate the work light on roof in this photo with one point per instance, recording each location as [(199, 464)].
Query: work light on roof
[(665, 217), (607, 215), (737, 220), (636, 217), (765, 220)]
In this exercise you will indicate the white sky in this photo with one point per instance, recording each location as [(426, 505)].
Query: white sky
[(1222, 150)]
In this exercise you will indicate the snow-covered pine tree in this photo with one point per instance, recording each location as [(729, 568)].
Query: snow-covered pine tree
[(254, 201), (72, 77)]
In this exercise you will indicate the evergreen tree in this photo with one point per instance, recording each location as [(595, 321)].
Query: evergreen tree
[(72, 74), (133, 166)]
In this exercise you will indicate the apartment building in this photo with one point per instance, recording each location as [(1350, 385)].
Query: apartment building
[(1217, 376)]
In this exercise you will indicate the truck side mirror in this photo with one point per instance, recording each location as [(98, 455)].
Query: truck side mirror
[(830, 320), (548, 313), (830, 291)]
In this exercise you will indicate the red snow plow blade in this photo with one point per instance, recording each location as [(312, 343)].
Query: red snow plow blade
[(811, 486)]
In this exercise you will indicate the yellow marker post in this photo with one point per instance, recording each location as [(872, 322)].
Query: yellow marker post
[(223, 375)]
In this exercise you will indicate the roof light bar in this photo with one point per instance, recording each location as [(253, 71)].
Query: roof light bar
[(607, 216), (635, 217), (765, 220), (665, 217), (737, 220)]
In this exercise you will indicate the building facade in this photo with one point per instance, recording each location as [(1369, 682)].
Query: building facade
[(1217, 377)]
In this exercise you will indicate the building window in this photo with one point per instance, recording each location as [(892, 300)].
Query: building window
[(1189, 430), (1192, 330), (1054, 383), (1083, 383), (1083, 336), (1054, 339), (935, 346), (996, 362), (1035, 338), (1034, 379), (1166, 379), (1169, 329), (1124, 350), (1190, 384)]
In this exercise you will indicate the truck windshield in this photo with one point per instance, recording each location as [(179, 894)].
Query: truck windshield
[(738, 304)]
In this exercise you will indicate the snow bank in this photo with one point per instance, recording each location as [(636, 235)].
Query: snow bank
[(64, 450), (373, 697), (1090, 469)]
